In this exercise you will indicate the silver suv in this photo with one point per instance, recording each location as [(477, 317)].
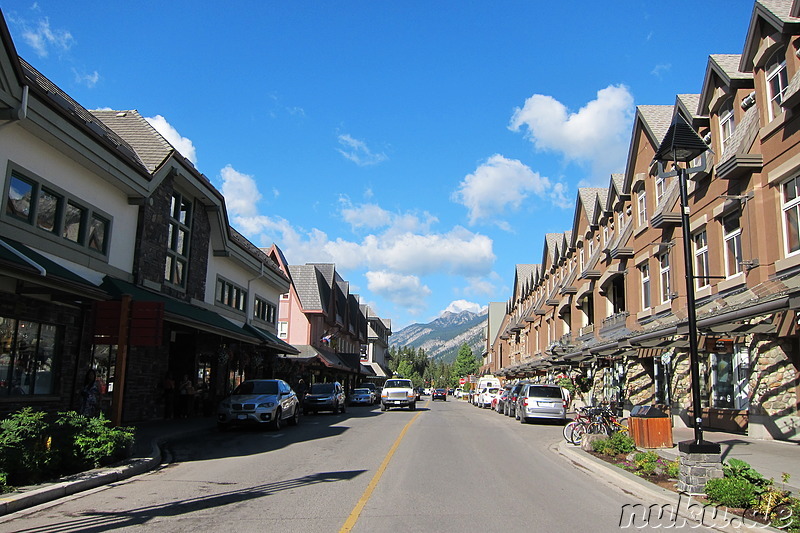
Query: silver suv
[(540, 401)]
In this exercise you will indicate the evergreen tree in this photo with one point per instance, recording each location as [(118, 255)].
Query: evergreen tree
[(465, 363)]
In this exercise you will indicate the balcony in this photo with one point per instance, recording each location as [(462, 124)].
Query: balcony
[(586, 330), (615, 319)]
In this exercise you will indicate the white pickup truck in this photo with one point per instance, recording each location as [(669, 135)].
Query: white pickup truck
[(398, 393)]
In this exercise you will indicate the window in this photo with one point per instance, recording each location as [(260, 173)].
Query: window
[(283, 329), (178, 233), (641, 206), (700, 240), (791, 215), (732, 233), (666, 293), (777, 80), (231, 295), (28, 352), (644, 272), (726, 122), (52, 212), (581, 261), (264, 310), (660, 186)]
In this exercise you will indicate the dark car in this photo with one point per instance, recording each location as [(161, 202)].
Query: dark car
[(439, 394), (325, 397), (510, 407)]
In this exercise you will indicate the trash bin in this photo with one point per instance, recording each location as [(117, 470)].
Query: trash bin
[(650, 427)]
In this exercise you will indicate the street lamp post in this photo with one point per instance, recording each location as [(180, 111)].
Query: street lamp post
[(682, 144)]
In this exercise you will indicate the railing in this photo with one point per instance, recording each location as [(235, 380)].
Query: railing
[(585, 330), (616, 319)]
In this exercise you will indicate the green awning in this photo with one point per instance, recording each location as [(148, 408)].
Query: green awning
[(271, 340), (21, 256), (180, 312)]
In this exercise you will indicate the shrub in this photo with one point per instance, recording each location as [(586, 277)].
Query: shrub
[(100, 444), (35, 447), (673, 469), (23, 447), (621, 442), (731, 491), (646, 462), (736, 468)]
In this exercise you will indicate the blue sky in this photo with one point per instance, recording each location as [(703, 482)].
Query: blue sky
[(425, 147)]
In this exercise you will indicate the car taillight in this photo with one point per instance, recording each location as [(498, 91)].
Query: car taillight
[(525, 402)]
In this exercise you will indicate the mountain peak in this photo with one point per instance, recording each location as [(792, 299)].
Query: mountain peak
[(442, 337)]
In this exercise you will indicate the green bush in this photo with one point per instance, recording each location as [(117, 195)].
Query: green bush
[(673, 469), (731, 491), (621, 442), (646, 462), (24, 451), (736, 468), (35, 447)]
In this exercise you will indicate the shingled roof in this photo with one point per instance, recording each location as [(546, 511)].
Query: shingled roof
[(151, 147)]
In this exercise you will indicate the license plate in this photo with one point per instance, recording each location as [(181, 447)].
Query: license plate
[(397, 401), (242, 417)]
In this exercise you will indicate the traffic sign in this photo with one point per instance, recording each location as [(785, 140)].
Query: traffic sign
[(462, 381)]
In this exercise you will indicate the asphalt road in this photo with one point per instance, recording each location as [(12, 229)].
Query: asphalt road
[(448, 466)]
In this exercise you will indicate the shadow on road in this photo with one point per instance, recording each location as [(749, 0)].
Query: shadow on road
[(98, 521)]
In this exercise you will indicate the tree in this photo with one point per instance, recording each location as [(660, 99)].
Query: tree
[(465, 363)]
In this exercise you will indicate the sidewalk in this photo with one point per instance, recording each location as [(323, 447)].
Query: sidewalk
[(146, 455)]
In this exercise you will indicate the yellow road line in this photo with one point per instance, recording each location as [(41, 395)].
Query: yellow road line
[(356, 512)]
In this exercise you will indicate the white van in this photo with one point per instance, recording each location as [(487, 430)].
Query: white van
[(487, 382)]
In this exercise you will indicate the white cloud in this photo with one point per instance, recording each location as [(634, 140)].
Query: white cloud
[(366, 216), (180, 143), (458, 306), (240, 192), (661, 69), (90, 80), (500, 184), (596, 134), (358, 152), (403, 290), (43, 38)]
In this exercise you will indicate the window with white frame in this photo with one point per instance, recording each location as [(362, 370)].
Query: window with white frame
[(777, 80), (791, 215), (732, 234), (727, 122), (660, 187), (644, 274), (283, 329), (663, 261), (178, 236), (641, 206), (701, 272)]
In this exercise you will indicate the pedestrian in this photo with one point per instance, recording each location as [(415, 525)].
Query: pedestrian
[(90, 394), (169, 396), (302, 388), (186, 392)]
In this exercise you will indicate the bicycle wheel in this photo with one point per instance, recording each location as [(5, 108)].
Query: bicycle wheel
[(596, 428), (568, 429), (577, 434)]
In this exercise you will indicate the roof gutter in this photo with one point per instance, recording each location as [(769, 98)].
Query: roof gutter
[(18, 113)]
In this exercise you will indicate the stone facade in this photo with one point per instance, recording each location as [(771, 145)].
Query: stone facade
[(696, 469)]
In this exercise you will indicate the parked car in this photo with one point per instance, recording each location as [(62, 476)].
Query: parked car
[(260, 401), (500, 400), (510, 407), (362, 397), (376, 392), (439, 394), (487, 396), (459, 392), (541, 401), (325, 397)]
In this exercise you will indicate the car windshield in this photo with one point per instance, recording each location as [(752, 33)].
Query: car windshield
[(361, 391), (321, 388), (398, 383), (545, 392), (257, 387), (493, 391)]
